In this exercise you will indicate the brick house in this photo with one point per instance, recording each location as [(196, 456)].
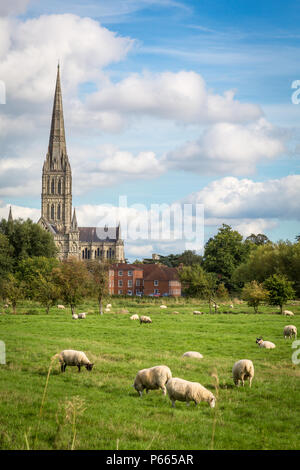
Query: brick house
[(144, 279)]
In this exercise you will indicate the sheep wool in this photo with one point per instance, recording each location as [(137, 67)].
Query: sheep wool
[(290, 331), (144, 319), (134, 317), (183, 390), (70, 357), (288, 313), (62, 307), (265, 344), (152, 379), (74, 316), (194, 354), (82, 315), (243, 370), (163, 306)]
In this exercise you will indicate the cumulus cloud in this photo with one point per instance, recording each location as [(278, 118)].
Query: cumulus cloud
[(228, 148), (19, 212), (243, 198), (181, 96)]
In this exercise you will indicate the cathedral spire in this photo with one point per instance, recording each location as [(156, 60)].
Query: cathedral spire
[(74, 225), (10, 217), (57, 142)]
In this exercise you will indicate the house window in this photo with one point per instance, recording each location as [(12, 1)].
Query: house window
[(120, 273), (156, 283), (120, 283), (156, 291), (129, 292), (130, 283), (120, 292), (138, 282), (129, 273)]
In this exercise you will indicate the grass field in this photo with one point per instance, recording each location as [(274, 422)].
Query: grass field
[(101, 410)]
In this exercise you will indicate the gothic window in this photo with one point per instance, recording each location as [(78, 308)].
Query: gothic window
[(82, 254), (86, 253), (98, 252), (52, 186), (52, 211), (59, 187), (48, 211), (58, 211), (95, 253), (48, 185)]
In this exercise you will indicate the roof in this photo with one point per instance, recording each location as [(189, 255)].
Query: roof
[(127, 267), (98, 234), (159, 272)]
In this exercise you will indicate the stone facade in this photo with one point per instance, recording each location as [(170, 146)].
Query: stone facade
[(56, 201)]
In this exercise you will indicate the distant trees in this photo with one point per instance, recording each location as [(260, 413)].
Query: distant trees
[(254, 293), (13, 290), (99, 280), (259, 239), (280, 290)]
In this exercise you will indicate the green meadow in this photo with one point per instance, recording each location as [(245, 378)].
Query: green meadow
[(101, 410)]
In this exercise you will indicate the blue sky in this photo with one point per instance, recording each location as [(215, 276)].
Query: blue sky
[(192, 97)]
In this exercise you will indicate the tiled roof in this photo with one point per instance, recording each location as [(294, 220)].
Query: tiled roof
[(98, 234), (159, 272)]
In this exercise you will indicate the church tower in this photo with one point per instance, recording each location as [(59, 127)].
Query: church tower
[(57, 176)]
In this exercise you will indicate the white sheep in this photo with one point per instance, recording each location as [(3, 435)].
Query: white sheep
[(183, 390), (265, 344), (163, 306), (82, 315), (107, 310), (290, 331), (243, 370), (70, 357), (108, 306), (62, 307), (197, 312), (288, 313), (194, 354), (152, 379), (74, 316), (144, 319), (231, 306), (134, 317)]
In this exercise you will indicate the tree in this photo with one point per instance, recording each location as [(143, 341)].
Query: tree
[(73, 281), (222, 292), (223, 253), (259, 239), (12, 289), (100, 279), (254, 293), (28, 239), (280, 290), (197, 283), (6, 260), (37, 274)]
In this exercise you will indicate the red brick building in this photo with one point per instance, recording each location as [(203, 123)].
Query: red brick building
[(144, 279)]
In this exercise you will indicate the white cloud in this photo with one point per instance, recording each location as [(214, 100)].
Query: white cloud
[(20, 212), (243, 198), (13, 7), (180, 96), (228, 148)]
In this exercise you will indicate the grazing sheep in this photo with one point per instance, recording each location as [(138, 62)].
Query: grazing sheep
[(69, 357), (6, 306), (108, 306), (62, 307), (231, 306), (163, 306), (183, 390), (265, 344), (194, 354), (152, 379), (288, 313), (74, 316), (243, 370), (134, 317), (197, 312), (82, 315), (107, 310), (144, 319), (290, 331)]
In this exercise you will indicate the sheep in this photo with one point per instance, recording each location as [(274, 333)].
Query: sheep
[(62, 307), (231, 306), (6, 306), (82, 315), (134, 317), (290, 331), (194, 354), (108, 306), (163, 306), (197, 312), (288, 313), (243, 370), (70, 357), (265, 344), (144, 319), (74, 316), (152, 379), (183, 390)]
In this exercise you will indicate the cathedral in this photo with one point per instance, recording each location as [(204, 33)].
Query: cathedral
[(103, 243)]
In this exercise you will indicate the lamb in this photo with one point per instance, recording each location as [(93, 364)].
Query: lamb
[(194, 354), (152, 379), (163, 306), (197, 312), (144, 319), (70, 357), (290, 331), (265, 344), (82, 315), (134, 317), (74, 316), (243, 370), (288, 313), (62, 307), (183, 390)]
